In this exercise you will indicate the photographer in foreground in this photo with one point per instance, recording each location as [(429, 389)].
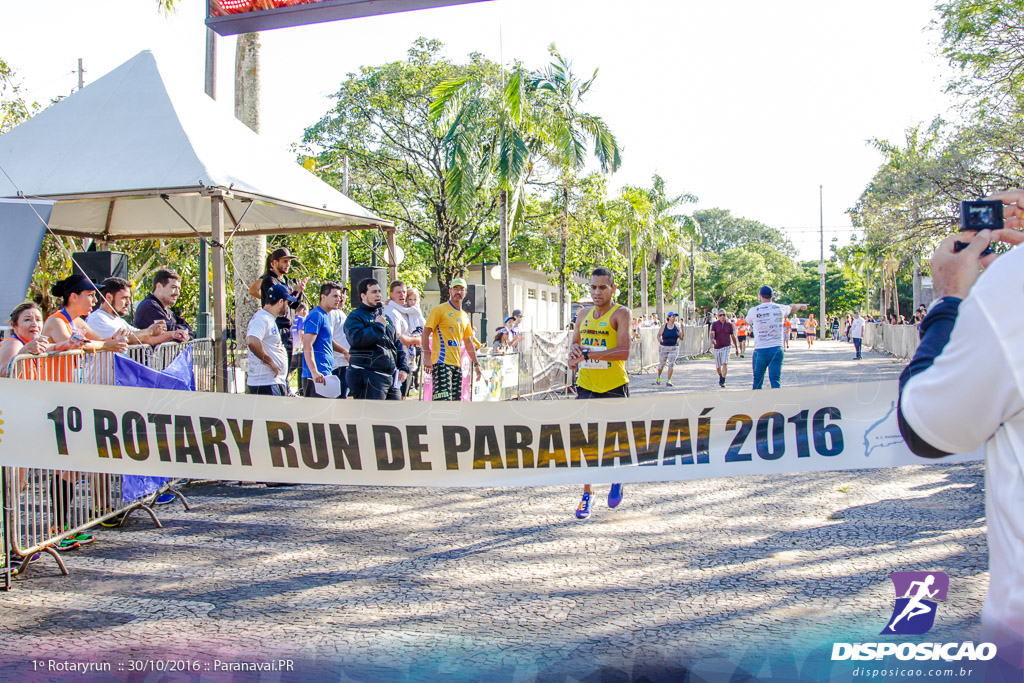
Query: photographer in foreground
[(965, 388)]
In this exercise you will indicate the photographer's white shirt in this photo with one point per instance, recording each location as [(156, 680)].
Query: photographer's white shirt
[(767, 320), (972, 396)]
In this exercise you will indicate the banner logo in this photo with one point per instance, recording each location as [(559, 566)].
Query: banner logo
[(916, 606)]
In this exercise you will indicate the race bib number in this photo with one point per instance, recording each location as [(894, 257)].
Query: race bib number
[(595, 364)]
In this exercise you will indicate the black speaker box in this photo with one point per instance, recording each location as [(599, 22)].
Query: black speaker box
[(474, 301), (99, 265), (360, 273)]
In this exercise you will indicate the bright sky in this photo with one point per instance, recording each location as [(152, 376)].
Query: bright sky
[(749, 105)]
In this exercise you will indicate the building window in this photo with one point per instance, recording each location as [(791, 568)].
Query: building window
[(543, 295), (531, 294), (554, 297)]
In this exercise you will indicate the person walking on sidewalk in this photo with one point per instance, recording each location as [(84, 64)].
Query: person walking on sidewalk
[(857, 333), (767, 318), (723, 333), (600, 349), (668, 350)]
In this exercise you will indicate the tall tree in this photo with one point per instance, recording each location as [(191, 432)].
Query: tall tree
[(469, 111), (569, 128), (402, 163)]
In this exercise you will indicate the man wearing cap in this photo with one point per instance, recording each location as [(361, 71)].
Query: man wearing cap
[(278, 264), (767, 321), (515, 334), (268, 360), (445, 333)]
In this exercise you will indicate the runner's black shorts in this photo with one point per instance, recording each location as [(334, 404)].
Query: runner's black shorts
[(617, 392)]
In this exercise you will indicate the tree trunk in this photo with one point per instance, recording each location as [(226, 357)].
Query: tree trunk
[(565, 239), (503, 238), (659, 286), (643, 282), (693, 289), (249, 252), (629, 271)]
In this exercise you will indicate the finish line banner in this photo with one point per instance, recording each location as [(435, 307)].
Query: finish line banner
[(165, 433)]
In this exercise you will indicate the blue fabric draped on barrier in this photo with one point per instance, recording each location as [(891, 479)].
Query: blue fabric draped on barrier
[(179, 375)]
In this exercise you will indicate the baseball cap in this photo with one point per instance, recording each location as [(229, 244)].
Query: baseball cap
[(278, 292), (671, 314), (281, 253), (767, 292), (458, 282), (516, 313)]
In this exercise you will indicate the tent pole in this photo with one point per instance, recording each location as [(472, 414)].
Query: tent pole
[(389, 235), (219, 293)]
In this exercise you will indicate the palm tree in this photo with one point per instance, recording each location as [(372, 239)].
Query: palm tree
[(467, 112), (568, 129), (667, 228)]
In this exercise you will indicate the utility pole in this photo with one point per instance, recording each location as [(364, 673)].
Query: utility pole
[(823, 321), (210, 85), (81, 74), (344, 235)]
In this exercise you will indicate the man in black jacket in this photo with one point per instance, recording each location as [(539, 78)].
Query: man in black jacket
[(377, 365)]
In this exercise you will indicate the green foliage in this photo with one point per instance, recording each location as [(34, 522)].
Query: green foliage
[(721, 231), (402, 163), (843, 294), (14, 108)]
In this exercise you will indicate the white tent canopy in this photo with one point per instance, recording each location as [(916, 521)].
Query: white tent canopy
[(108, 153)]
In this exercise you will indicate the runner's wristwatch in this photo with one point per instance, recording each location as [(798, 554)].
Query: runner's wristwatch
[(586, 353)]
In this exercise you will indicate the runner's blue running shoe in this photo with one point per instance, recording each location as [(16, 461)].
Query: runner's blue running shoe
[(615, 495), (583, 509)]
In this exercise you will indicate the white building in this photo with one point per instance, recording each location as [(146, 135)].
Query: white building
[(529, 290)]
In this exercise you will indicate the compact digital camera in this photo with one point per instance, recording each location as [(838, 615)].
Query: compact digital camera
[(979, 214)]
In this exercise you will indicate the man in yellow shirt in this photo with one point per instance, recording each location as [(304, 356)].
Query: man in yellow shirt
[(445, 333), (601, 358)]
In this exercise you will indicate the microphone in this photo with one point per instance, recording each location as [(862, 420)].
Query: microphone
[(380, 309)]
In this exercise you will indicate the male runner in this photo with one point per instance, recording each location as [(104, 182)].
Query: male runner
[(601, 359), (742, 330), (723, 332)]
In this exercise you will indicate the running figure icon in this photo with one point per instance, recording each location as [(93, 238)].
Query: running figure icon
[(915, 607)]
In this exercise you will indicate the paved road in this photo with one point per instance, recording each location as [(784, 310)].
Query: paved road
[(378, 584)]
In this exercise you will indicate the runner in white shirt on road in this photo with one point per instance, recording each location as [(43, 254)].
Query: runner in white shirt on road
[(766, 319), (857, 333)]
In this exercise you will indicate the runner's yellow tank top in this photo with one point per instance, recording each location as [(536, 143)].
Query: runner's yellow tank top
[(600, 376)]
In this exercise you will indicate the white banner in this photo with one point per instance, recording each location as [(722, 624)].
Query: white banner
[(523, 443)]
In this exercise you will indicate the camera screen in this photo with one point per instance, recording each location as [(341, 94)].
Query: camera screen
[(981, 215)]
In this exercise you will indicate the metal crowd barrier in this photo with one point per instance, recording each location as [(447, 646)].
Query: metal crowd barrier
[(643, 347), (896, 340), (5, 551), (544, 363), (44, 508)]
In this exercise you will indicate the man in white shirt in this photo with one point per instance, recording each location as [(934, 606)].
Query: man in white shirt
[(268, 359), (107, 322), (766, 320), (395, 310), (857, 333), (340, 343), (964, 389)]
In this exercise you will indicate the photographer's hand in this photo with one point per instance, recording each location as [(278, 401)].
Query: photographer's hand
[(953, 274)]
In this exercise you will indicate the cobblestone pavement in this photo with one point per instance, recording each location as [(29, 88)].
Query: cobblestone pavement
[(504, 584)]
